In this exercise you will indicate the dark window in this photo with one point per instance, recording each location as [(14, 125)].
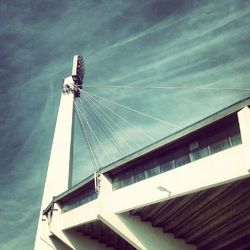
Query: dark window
[(194, 145), (139, 174), (151, 167), (116, 183), (128, 178), (199, 153), (210, 140), (219, 145), (235, 139), (128, 181), (167, 166), (153, 171), (82, 198), (181, 160), (181, 156)]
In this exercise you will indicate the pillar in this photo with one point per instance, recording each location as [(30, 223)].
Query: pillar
[(59, 168), (244, 122)]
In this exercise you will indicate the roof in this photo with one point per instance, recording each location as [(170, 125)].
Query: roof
[(195, 127)]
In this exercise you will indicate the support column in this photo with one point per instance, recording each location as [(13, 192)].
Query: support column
[(244, 122), (59, 168), (139, 234)]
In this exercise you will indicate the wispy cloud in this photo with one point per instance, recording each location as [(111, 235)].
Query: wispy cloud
[(136, 43)]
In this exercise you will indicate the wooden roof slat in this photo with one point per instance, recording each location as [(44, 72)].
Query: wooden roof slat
[(233, 217), (226, 198)]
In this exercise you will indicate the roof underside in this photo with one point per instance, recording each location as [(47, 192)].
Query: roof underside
[(103, 234), (214, 219)]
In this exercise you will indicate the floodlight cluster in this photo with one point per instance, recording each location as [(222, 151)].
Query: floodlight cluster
[(79, 76)]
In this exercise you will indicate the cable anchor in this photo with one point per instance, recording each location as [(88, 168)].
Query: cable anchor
[(97, 179)]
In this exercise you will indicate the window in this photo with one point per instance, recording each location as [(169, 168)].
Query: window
[(128, 181), (212, 139), (219, 146), (82, 198), (123, 179), (167, 166), (151, 167), (199, 153), (116, 183), (139, 174), (153, 171), (235, 139), (181, 160)]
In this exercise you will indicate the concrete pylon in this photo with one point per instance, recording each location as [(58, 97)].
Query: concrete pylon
[(59, 171)]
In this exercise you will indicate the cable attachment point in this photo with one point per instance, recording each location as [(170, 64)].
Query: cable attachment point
[(67, 89), (97, 179), (73, 83)]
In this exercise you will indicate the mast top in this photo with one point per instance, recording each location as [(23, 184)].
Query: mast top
[(73, 83)]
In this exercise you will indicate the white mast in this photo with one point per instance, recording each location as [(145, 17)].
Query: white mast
[(59, 170)]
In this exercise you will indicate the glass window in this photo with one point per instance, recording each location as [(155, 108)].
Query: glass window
[(182, 160), (128, 181), (219, 145), (127, 177), (139, 174), (167, 166), (235, 139), (211, 140), (199, 153), (116, 183), (153, 171), (82, 198), (194, 145)]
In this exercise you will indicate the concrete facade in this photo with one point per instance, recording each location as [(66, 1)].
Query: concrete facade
[(111, 210), (112, 206)]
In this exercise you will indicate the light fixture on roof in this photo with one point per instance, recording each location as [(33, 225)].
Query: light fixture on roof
[(163, 189)]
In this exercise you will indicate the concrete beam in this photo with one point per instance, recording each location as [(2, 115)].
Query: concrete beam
[(80, 215), (139, 234), (216, 169), (244, 122), (73, 240), (59, 244)]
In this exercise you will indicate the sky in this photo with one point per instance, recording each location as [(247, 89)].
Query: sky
[(150, 43)]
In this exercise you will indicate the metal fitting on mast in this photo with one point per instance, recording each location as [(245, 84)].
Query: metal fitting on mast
[(73, 83)]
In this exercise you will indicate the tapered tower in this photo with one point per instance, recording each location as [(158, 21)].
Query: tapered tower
[(59, 170)]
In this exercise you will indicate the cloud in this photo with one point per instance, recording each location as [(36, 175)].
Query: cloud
[(135, 43)]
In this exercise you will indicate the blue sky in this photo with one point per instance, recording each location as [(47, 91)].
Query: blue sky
[(127, 43)]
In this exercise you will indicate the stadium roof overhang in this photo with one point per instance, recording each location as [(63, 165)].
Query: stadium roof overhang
[(217, 218), (145, 152), (212, 219)]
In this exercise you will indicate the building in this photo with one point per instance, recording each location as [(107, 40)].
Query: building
[(188, 191)]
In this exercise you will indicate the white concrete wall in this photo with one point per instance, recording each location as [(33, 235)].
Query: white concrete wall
[(207, 172), (201, 174), (219, 168), (244, 121), (58, 173), (85, 214), (222, 167)]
